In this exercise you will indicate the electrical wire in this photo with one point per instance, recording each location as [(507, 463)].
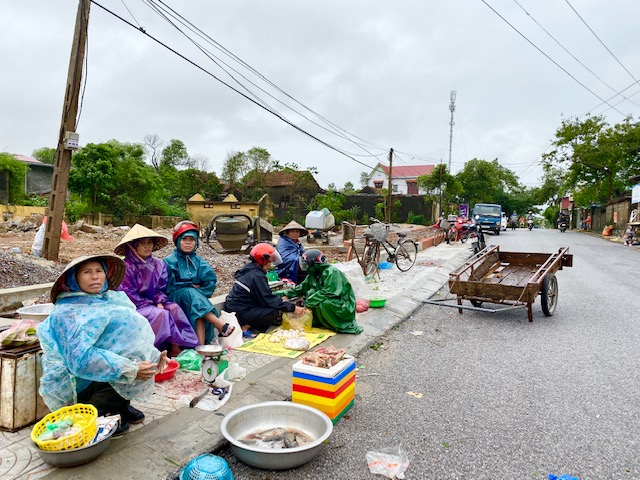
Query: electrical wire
[(274, 113), (549, 58), (336, 129), (601, 42), (572, 55)]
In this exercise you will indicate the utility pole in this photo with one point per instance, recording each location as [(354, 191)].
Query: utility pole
[(452, 108), (67, 139), (440, 207), (387, 211)]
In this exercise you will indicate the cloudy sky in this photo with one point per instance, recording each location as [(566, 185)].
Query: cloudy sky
[(360, 75)]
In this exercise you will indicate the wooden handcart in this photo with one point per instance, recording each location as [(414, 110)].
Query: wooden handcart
[(508, 278)]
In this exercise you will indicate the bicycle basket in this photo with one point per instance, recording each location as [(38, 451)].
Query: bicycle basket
[(380, 231)]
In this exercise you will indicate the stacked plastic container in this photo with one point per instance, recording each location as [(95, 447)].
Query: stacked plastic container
[(330, 390)]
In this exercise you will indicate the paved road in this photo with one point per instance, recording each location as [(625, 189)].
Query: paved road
[(487, 396)]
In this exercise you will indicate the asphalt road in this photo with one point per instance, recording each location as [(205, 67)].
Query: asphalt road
[(491, 396)]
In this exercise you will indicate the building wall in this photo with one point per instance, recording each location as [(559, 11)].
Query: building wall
[(39, 178), (400, 184)]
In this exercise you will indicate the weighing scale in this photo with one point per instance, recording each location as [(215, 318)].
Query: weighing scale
[(213, 363)]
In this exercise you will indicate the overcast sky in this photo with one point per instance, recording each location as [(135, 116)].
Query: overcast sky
[(381, 71)]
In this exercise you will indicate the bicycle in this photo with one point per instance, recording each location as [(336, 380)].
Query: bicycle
[(403, 253), (365, 260)]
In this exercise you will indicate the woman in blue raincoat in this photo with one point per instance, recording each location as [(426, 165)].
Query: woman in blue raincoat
[(291, 249), (327, 293), (96, 348), (191, 281)]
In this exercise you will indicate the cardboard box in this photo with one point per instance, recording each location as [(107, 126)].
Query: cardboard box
[(20, 372)]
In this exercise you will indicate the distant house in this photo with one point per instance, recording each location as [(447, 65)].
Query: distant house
[(404, 179), (39, 175), (286, 188)]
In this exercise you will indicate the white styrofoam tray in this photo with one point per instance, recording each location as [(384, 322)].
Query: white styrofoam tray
[(324, 372)]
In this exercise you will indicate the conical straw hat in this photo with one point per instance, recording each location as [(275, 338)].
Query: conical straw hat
[(293, 225), (136, 233), (115, 272)]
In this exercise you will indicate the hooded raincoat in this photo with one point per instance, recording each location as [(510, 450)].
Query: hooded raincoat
[(144, 283), (252, 300), (290, 252), (330, 296), (94, 338), (184, 271)]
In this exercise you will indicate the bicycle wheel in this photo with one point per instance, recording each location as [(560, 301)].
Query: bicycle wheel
[(438, 237), (406, 253), (371, 258)]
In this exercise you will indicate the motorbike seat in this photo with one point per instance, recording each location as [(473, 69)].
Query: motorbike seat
[(402, 234)]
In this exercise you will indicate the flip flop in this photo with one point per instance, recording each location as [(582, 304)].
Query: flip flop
[(227, 330), (249, 334)]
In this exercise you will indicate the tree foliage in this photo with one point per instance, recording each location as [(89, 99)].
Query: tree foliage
[(13, 172), (174, 155), (595, 158), (45, 155)]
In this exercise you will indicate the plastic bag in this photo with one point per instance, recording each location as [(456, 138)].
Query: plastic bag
[(390, 462), (291, 321), (189, 360), (297, 344), (38, 241), (353, 271), (235, 339)]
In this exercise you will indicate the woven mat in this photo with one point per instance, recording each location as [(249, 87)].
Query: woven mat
[(261, 343)]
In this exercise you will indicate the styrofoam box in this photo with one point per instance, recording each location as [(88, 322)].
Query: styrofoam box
[(324, 372)]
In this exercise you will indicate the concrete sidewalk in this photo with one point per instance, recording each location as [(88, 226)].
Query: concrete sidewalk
[(171, 436)]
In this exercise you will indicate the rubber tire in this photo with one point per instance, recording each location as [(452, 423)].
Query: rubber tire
[(549, 294), (464, 237), (311, 239), (476, 303), (406, 255), (371, 258)]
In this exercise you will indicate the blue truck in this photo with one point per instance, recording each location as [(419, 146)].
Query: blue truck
[(489, 216)]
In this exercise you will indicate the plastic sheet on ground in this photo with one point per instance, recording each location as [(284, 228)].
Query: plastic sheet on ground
[(261, 343)]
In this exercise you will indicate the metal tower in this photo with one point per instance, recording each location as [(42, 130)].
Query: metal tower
[(452, 108)]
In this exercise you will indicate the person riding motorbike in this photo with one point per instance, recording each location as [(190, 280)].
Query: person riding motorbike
[(530, 219), (562, 222)]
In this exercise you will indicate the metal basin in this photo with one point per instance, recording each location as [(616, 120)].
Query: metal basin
[(263, 416), (78, 456)]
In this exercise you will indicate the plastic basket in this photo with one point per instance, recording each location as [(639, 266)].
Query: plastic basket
[(380, 231), (84, 416), (206, 467)]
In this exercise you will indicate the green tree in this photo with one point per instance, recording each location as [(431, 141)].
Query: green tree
[(597, 159), (440, 180), (486, 182), (174, 155), (348, 188), (364, 179), (13, 173), (45, 155), (235, 168)]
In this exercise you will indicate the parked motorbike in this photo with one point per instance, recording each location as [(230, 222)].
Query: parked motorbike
[(477, 237), (459, 230)]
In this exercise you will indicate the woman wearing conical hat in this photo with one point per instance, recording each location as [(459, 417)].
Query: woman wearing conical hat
[(96, 348), (145, 282), (291, 249)]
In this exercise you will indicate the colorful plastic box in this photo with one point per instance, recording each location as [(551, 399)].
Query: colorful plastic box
[(330, 390)]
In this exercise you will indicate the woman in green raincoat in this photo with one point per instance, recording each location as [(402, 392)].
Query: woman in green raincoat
[(328, 294)]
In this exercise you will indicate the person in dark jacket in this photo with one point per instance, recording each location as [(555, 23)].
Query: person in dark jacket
[(255, 306)]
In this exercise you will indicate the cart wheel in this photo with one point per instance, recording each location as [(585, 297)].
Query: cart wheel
[(549, 294), (311, 238), (476, 303)]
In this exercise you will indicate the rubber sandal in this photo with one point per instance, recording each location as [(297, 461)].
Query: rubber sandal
[(249, 334), (227, 330)]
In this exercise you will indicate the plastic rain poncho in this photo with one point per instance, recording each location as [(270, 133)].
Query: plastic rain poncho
[(330, 296), (144, 283), (290, 251), (94, 338), (186, 270)]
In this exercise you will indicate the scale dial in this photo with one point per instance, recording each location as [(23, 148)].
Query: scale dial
[(209, 370)]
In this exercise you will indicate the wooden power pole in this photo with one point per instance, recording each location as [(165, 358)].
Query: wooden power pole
[(387, 211), (68, 139)]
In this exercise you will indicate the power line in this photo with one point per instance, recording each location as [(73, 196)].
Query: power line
[(601, 42), (274, 113), (549, 58), (337, 129), (571, 54)]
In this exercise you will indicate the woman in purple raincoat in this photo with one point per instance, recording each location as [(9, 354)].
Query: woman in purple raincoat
[(144, 283)]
